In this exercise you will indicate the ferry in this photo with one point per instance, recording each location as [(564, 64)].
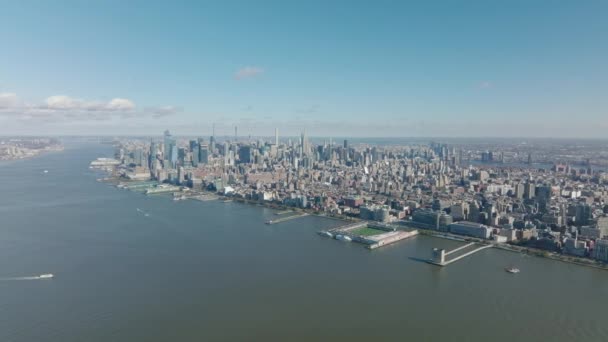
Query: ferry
[(512, 269), (46, 276)]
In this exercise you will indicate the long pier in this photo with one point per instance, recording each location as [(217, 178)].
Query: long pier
[(459, 248), (283, 219), (439, 255)]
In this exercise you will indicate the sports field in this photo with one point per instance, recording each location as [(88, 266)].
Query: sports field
[(365, 231)]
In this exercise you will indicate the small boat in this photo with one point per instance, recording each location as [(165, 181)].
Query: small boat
[(269, 222), (46, 276), (46, 171), (343, 237), (512, 269), (326, 234)]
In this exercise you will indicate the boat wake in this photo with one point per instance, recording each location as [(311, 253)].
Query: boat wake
[(143, 212), (25, 278)]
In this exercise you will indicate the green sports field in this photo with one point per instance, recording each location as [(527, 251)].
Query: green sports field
[(365, 231)]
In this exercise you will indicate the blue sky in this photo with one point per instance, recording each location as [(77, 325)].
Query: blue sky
[(341, 68)]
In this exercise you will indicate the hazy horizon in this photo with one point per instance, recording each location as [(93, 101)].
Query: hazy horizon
[(383, 69)]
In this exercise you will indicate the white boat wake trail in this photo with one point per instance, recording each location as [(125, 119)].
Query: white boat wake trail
[(21, 278), (40, 277)]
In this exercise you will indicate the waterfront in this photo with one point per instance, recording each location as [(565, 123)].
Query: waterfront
[(194, 270)]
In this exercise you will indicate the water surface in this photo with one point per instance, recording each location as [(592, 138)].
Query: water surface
[(202, 271)]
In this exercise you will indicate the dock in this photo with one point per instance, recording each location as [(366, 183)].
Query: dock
[(439, 255), (376, 241), (386, 234), (283, 219), (161, 189)]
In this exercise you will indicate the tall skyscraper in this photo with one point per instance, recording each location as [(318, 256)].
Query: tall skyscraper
[(302, 144), (276, 137), (170, 148), (345, 143), (194, 152), (173, 155), (212, 141), (203, 154)]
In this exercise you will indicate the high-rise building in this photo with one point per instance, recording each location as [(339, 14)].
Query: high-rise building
[(245, 154), (194, 152), (583, 214), (602, 226), (173, 155), (530, 190), (345, 143), (212, 141), (203, 154), (276, 137), (600, 251)]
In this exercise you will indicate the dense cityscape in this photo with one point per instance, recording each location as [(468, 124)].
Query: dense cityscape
[(20, 148), (545, 195), (304, 171)]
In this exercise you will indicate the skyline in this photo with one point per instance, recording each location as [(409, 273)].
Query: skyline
[(383, 70)]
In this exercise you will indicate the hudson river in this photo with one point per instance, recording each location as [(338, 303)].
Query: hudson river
[(205, 271)]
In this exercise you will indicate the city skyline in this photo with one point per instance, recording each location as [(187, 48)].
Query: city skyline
[(382, 70)]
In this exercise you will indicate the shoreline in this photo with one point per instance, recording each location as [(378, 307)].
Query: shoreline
[(32, 156), (443, 235)]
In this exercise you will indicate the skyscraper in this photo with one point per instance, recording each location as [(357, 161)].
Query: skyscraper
[(194, 152), (203, 154), (212, 140), (276, 137), (170, 148), (245, 154)]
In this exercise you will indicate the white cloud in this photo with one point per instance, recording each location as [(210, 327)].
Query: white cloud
[(8, 100), (119, 104), (62, 102), (64, 108), (248, 72)]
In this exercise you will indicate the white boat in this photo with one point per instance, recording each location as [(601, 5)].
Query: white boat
[(343, 238), (46, 276), (46, 171), (326, 234), (512, 269)]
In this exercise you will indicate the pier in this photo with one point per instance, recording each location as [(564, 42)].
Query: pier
[(138, 186), (459, 248), (283, 219), (439, 255), (372, 234)]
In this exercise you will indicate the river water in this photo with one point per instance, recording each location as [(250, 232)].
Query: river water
[(207, 271)]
